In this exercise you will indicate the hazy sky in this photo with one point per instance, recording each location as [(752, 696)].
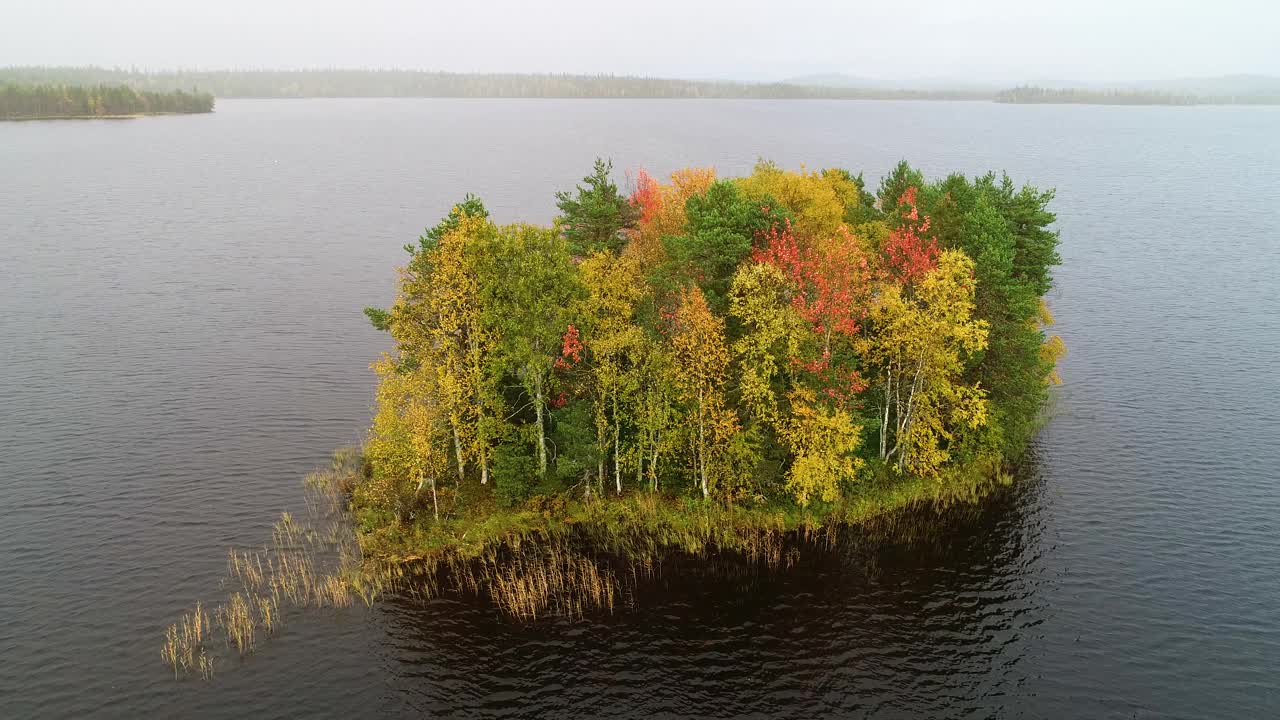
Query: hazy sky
[(996, 40)]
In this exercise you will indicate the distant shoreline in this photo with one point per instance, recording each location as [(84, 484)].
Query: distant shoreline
[(129, 116), (60, 101), (310, 84), (988, 100)]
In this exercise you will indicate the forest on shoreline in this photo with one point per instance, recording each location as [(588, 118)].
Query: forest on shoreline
[(34, 102), (1073, 96), (351, 83), (776, 350), (337, 83)]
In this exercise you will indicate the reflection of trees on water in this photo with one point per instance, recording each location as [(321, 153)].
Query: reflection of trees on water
[(927, 613)]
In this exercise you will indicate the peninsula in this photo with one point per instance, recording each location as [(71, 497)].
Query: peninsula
[(46, 102)]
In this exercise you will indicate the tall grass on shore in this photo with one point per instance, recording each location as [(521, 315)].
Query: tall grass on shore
[(309, 564), (572, 559), (567, 560)]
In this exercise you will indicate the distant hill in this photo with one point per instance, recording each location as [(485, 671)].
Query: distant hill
[(833, 80)]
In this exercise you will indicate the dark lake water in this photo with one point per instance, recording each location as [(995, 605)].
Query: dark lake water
[(181, 340)]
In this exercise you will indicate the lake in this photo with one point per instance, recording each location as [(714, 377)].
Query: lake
[(181, 341)]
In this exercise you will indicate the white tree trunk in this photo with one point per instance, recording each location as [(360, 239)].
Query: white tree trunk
[(542, 430), (653, 461), (617, 435), (702, 441), (884, 424), (457, 449)]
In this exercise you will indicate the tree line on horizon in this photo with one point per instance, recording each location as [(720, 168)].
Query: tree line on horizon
[(336, 83), (414, 83), (777, 338), (1029, 94)]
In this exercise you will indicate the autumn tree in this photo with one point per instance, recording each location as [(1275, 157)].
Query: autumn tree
[(700, 360), (772, 334), (824, 441), (405, 445), (614, 344), (894, 185), (809, 198), (832, 280), (910, 251), (655, 410), (661, 212), (859, 204), (438, 323), (470, 207), (918, 347), (801, 310)]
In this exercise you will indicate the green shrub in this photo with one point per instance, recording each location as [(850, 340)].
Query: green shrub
[(515, 472)]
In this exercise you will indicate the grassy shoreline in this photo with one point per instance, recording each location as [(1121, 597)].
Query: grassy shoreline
[(653, 523), (550, 556), (545, 558)]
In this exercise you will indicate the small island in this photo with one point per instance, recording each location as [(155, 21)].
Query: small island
[(50, 102), (701, 366)]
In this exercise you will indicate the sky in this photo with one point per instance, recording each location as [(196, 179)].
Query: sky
[(997, 41)]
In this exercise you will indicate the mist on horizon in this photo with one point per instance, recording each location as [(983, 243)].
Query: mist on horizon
[(935, 42)]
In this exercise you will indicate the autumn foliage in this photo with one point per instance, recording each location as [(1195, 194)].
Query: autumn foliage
[(910, 252), (777, 338)]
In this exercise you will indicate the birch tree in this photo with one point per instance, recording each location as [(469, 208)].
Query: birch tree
[(613, 342), (529, 295), (701, 359), (918, 346)]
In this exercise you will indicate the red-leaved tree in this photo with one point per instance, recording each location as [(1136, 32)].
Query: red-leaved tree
[(910, 252), (647, 197), (833, 280)]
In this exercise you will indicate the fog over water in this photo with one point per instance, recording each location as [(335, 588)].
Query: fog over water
[(928, 41)]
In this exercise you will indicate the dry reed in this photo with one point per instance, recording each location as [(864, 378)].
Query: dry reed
[(184, 639), (313, 563)]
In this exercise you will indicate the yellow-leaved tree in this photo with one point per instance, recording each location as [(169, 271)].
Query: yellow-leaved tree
[(437, 321), (821, 436), (823, 441), (406, 445), (615, 343), (700, 361), (919, 340), (772, 332), (816, 207)]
